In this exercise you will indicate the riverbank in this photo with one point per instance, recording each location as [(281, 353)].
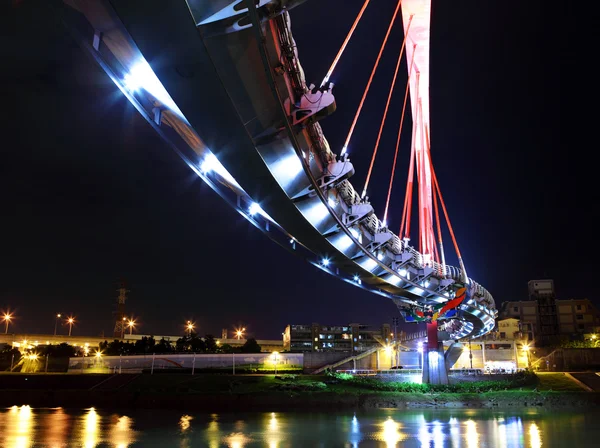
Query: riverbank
[(238, 393)]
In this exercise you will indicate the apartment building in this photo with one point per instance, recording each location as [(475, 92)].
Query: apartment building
[(351, 338)]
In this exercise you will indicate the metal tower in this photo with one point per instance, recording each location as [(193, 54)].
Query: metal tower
[(120, 311)]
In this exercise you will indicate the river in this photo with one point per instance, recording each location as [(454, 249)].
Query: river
[(22, 427)]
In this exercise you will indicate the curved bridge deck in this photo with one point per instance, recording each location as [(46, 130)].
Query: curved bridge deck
[(227, 91)]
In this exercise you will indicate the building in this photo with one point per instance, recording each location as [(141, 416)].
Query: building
[(544, 317), (351, 338)]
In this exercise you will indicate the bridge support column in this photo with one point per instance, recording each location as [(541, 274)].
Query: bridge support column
[(434, 365)]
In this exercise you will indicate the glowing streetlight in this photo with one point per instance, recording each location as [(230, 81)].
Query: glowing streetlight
[(131, 325), (526, 350), (6, 318), (70, 321), (190, 327), (239, 333), (56, 322), (275, 356)]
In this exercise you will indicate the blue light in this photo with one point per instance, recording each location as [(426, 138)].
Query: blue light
[(254, 209), (325, 261)]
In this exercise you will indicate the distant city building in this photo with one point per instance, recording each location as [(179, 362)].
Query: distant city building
[(354, 338), (543, 317)]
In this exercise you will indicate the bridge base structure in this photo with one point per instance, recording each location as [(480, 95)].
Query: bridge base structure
[(435, 370)]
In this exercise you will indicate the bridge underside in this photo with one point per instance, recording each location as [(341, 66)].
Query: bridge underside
[(227, 92)]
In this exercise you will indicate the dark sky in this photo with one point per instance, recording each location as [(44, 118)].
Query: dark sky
[(89, 193)]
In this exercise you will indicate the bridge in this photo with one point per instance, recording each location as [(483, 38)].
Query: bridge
[(221, 82)]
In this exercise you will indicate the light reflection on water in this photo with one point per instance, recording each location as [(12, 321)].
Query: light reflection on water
[(24, 427)]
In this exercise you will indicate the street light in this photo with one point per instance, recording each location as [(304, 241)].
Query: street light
[(56, 323), (190, 327), (70, 321), (6, 318), (239, 333), (131, 324), (526, 350), (275, 355)]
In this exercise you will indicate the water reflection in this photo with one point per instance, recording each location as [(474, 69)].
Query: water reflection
[(121, 432), (274, 436), (91, 425), (390, 433), (535, 439), (58, 428), (17, 427), (24, 427), (471, 434)]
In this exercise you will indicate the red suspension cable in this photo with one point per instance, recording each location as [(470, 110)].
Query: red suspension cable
[(345, 147), (387, 105), (343, 47), (437, 188), (387, 202)]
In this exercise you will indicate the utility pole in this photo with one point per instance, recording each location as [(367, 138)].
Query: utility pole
[(56, 323), (120, 311), (470, 354)]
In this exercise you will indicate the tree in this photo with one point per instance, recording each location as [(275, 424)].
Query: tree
[(63, 350), (163, 346), (251, 346), (226, 348), (145, 345), (196, 344), (210, 343)]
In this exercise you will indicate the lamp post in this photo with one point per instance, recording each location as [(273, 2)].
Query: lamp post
[(470, 354), (275, 355), (526, 349), (131, 324), (239, 333), (70, 321), (56, 322), (7, 317), (123, 328)]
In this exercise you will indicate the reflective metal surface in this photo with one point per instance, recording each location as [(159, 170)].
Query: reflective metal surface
[(26, 427)]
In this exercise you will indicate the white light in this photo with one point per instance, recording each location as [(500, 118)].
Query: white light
[(292, 241), (393, 279), (356, 278), (368, 264), (354, 233), (380, 256), (402, 272), (141, 75), (254, 209), (331, 202), (426, 284), (344, 149), (286, 169), (209, 163), (342, 242), (384, 223), (325, 262)]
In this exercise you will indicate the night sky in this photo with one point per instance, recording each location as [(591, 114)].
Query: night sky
[(89, 193)]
